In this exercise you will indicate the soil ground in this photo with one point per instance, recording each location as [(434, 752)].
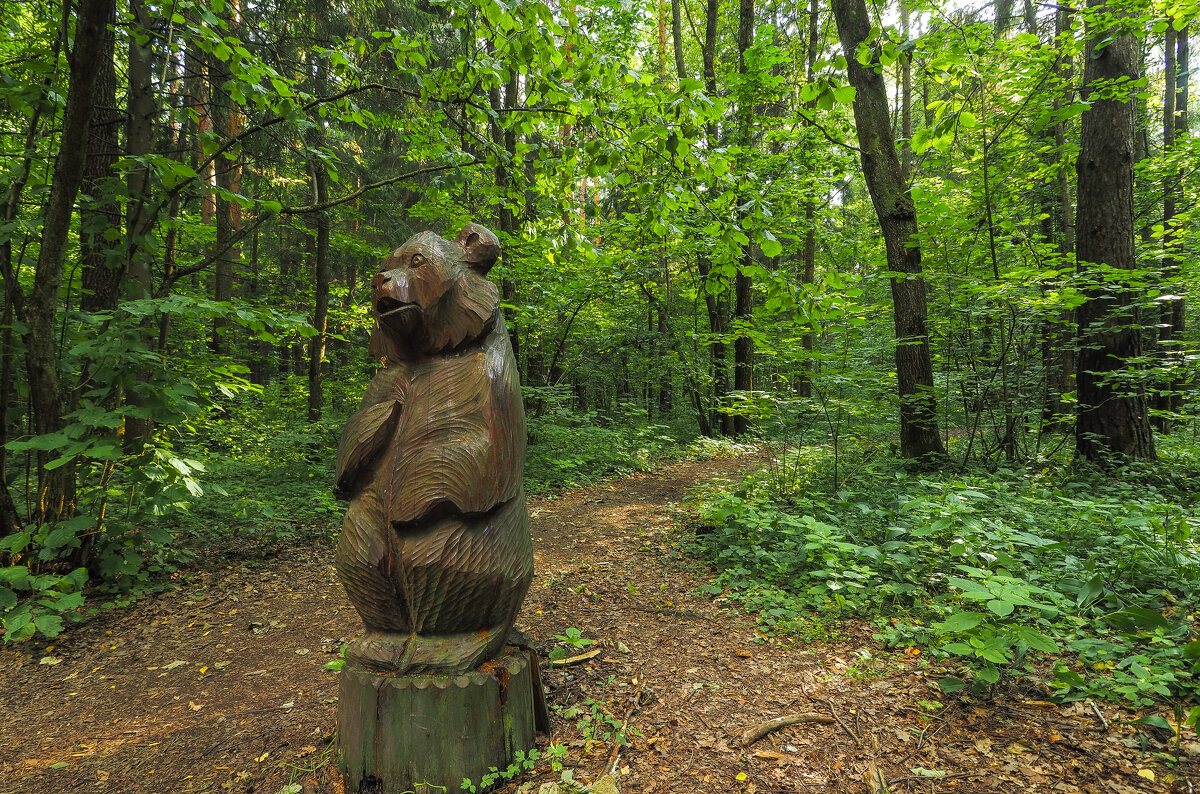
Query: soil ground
[(219, 684)]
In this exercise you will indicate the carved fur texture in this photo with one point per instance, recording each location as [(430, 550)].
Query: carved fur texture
[(435, 551)]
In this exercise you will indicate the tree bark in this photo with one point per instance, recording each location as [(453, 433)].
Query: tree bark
[(99, 212), (1175, 125), (56, 487), (743, 309), (1112, 415), (716, 305), (139, 141), (1058, 356), (227, 176), (677, 40), (809, 274), (919, 437)]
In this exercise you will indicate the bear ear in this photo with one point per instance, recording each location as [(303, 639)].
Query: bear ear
[(480, 247)]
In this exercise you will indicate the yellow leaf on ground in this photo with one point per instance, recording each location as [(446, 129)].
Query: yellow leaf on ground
[(1147, 773)]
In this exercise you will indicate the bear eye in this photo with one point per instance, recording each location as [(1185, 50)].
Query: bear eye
[(416, 261)]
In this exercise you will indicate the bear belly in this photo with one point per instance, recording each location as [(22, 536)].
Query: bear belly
[(437, 596)]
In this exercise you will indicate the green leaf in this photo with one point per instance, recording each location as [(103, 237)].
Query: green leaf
[(48, 625), (770, 246), (1154, 721), (1001, 608), (1090, 590), (1069, 677), (1132, 619), (989, 675), (844, 95), (950, 685), (959, 621)]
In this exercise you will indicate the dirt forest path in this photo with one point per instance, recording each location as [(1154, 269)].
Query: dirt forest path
[(219, 685)]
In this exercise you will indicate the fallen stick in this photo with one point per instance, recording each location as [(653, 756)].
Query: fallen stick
[(583, 657), (843, 725), (636, 703), (770, 726)]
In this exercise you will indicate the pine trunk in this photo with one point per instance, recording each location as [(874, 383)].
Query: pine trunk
[(1112, 414)]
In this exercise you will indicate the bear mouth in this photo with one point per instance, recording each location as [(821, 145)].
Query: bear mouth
[(390, 307)]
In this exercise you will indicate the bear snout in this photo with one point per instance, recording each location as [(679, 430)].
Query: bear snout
[(393, 286)]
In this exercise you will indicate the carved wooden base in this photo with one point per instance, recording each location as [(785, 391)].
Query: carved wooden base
[(426, 733)]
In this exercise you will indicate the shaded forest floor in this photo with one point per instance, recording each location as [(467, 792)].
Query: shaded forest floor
[(220, 684)]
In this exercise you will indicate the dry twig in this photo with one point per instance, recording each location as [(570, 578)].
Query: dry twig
[(770, 726), (580, 659), (843, 725), (635, 703)]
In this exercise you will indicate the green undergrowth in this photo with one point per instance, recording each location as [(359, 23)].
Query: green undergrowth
[(272, 472), (569, 448), (1088, 579)]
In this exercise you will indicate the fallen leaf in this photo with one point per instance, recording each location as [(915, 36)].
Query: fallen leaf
[(194, 706), (301, 651), (174, 664), (49, 660), (743, 654), (769, 754), (1147, 773), (203, 670), (984, 745), (263, 757)]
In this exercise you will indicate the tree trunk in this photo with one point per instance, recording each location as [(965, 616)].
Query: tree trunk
[(1058, 356), (56, 487), (1112, 415), (743, 309), (809, 275), (1172, 322), (99, 211), (139, 141), (919, 437), (715, 304), (505, 142), (677, 40), (227, 176), (10, 518), (316, 344), (906, 153)]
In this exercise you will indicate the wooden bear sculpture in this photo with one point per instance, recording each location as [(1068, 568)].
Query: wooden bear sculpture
[(435, 552)]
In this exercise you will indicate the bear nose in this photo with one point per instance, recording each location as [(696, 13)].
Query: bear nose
[(380, 279)]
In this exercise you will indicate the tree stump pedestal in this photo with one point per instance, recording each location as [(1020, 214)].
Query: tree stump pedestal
[(421, 734)]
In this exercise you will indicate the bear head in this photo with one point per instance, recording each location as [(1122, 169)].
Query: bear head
[(432, 295)]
